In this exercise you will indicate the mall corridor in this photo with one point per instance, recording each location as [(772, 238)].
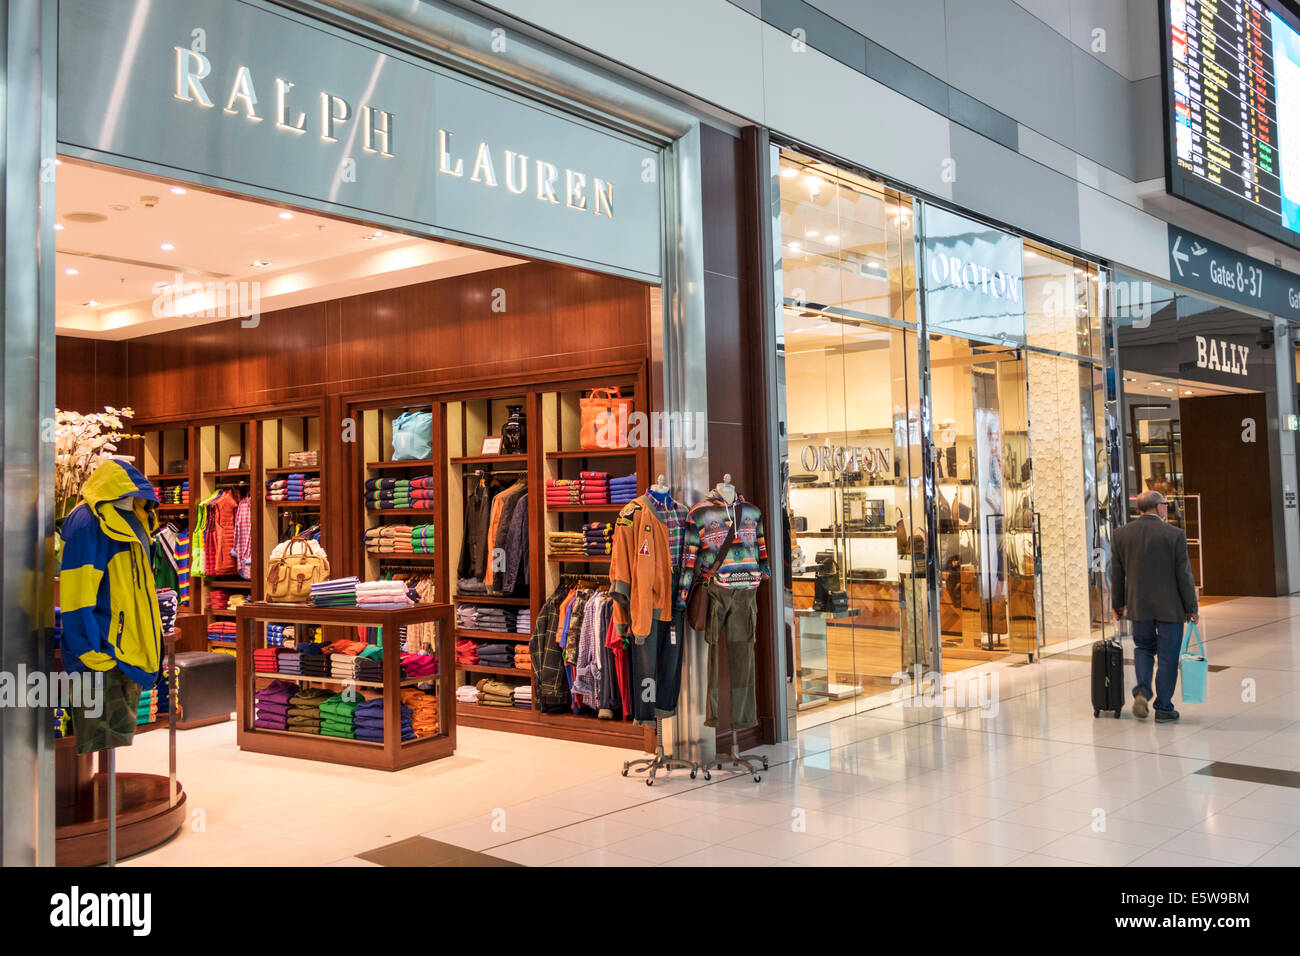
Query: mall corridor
[(1040, 783)]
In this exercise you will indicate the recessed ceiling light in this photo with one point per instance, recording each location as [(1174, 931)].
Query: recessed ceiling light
[(789, 173), (58, 162), (261, 263), (166, 247), (92, 304), (832, 237), (58, 227), (794, 246), (179, 190), (70, 272), (795, 331), (1188, 392), (373, 236), (811, 234), (286, 215)]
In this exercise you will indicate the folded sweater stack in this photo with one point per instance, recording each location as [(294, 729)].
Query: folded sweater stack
[(368, 721), (424, 712), (336, 715), (523, 657), (467, 693), (496, 655), (480, 617), (566, 542), (563, 491), (598, 537), (494, 693), (304, 459), (400, 492), (272, 705), (420, 665), (336, 592), (523, 696), (622, 490), (594, 487), (383, 595), (466, 652), (311, 489)]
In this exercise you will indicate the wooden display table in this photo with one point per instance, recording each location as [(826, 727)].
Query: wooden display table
[(393, 753)]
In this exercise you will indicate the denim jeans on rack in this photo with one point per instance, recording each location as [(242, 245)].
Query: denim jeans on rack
[(657, 668)]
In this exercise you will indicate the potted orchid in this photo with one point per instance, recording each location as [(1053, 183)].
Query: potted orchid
[(81, 442)]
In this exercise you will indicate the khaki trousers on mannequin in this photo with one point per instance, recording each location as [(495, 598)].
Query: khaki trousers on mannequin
[(733, 615)]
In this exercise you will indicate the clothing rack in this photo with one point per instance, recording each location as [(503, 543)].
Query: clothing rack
[(651, 765)]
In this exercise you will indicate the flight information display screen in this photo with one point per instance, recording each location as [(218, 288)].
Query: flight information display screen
[(1232, 83)]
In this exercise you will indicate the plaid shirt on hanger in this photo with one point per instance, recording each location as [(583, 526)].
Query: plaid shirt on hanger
[(243, 539)]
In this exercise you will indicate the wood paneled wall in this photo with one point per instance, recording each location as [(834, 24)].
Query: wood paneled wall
[(1232, 478), (517, 320)]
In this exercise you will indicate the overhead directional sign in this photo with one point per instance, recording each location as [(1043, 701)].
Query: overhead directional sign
[(1207, 266)]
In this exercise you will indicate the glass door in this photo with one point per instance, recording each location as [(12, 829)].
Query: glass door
[(983, 502)]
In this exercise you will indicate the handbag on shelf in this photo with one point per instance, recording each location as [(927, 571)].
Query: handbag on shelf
[(697, 598), (1193, 669), (413, 436), (597, 409), (290, 576)]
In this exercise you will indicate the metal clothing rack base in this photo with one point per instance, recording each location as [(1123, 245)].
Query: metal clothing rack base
[(652, 765), (733, 759)]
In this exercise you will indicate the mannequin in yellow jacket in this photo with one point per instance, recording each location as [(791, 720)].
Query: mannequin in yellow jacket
[(109, 606)]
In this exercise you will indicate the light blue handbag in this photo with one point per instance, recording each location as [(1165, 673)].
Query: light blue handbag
[(1193, 668), (413, 436)]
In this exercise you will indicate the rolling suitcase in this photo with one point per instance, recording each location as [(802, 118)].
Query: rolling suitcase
[(1107, 677)]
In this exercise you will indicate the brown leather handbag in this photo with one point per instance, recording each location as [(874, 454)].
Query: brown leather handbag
[(697, 598), (289, 577)]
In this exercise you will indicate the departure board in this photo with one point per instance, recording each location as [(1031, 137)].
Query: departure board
[(1232, 81)]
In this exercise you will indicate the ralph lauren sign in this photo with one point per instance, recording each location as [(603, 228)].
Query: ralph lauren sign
[(248, 96)]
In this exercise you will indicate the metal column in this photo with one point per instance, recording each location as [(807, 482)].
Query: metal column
[(27, 152)]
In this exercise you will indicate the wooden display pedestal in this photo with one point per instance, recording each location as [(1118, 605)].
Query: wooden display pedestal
[(144, 817)]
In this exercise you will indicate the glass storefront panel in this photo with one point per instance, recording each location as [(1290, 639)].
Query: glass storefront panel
[(848, 369), (998, 391)]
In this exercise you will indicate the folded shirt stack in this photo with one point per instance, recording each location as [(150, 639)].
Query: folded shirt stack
[(466, 652), (313, 660), (420, 665), (266, 660), (423, 537), (272, 705), (523, 696), (389, 539), (368, 721), (563, 491), (289, 662), (336, 592), (424, 711), (277, 490), (565, 542), (496, 655), (598, 537), (479, 617), (622, 490), (275, 635), (218, 598), (422, 489), (304, 709), (524, 621), (336, 715), (354, 667), (221, 631), (146, 710), (236, 600), (311, 489), (400, 492), (494, 693), (383, 595), (304, 459), (595, 487), (523, 657), (167, 602), (467, 693)]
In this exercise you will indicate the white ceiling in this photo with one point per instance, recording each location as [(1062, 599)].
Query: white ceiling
[(121, 267)]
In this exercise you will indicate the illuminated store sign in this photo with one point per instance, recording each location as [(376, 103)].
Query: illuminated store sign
[(974, 278), (253, 97)]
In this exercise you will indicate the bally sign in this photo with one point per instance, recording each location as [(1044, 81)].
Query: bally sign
[(251, 97), (1220, 356)]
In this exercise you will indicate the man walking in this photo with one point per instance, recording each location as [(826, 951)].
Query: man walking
[(1151, 580)]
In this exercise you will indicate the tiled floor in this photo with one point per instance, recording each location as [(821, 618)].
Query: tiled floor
[(1039, 782)]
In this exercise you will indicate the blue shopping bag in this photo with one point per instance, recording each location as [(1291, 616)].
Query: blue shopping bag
[(1193, 668)]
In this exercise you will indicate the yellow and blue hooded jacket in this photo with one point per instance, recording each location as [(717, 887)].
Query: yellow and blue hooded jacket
[(106, 586)]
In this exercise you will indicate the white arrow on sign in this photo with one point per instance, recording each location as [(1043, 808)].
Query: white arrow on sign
[(1178, 257)]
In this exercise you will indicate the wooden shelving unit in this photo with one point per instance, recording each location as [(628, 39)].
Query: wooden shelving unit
[(393, 753)]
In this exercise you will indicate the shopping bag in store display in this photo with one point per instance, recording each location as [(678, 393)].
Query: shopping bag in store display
[(289, 576), (604, 419), (413, 436), (1193, 668)]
